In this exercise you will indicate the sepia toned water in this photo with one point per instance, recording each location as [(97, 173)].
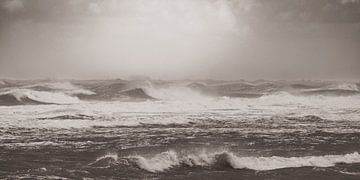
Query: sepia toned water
[(75, 131)]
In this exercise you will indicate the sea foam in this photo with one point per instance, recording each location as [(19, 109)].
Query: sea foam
[(175, 92), (65, 87), (170, 159), (27, 96)]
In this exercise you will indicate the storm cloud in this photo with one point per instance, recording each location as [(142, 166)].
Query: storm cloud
[(222, 39)]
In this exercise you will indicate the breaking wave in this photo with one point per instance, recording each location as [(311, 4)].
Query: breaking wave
[(171, 159), (175, 92), (105, 160), (2, 83), (138, 93), (27, 96), (290, 98), (64, 87), (336, 89), (149, 91), (186, 93), (345, 86)]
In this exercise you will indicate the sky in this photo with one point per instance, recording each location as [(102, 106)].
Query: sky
[(180, 39)]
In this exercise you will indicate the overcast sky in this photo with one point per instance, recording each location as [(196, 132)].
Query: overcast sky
[(178, 39)]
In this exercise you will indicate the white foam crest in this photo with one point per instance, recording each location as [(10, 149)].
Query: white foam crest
[(117, 113), (276, 162), (103, 121), (113, 156), (170, 159), (345, 86), (60, 85), (202, 159), (285, 98), (109, 157), (34, 144), (175, 92), (67, 88), (158, 163), (42, 96)]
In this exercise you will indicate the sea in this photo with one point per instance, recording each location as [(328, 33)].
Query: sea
[(204, 129)]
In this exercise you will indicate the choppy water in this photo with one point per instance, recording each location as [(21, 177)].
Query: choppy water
[(104, 130)]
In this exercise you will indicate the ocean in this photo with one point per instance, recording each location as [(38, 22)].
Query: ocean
[(119, 129)]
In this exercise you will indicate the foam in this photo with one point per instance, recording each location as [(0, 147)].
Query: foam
[(23, 95), (67, 88), (2, 82), (345, 86), (174, 92), (285, 98), (105, 159), (158, 163), (137, 93), (170, 159), (276, 162), (75, 121)]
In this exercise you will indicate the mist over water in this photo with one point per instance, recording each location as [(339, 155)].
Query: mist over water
[(180, 89), (137, 129), (123, 38), (181, 39)]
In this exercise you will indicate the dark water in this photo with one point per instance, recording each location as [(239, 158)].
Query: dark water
[(181, 132)]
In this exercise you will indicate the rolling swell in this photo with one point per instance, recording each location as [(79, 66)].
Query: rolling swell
[(10, 100), (335, 89), (170, 159), (153, 90), (248, 89), (64, 87), (42, 93), (331, 92), (138, 93), (32, 97)]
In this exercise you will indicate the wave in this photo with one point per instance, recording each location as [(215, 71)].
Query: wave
[(308, 118), (185, 91), (304, 86), (334, 89), (244, 89), (349, 173), (27, 96), (138, 93), (171, 159), (3, 83), (150, 91), (345, 86), (105, 160), (68, 117), (64, 87), (174, 92), (198, 85), (330, 92), (284, 97)]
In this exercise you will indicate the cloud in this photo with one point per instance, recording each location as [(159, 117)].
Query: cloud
[(177, 38), (13, 5), (247, 5), (95, 8)]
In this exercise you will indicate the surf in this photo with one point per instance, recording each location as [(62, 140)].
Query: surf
[(27, 97), (169, 159), (175, 92)]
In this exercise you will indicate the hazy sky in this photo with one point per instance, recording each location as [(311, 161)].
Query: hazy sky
[(168, 39)]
